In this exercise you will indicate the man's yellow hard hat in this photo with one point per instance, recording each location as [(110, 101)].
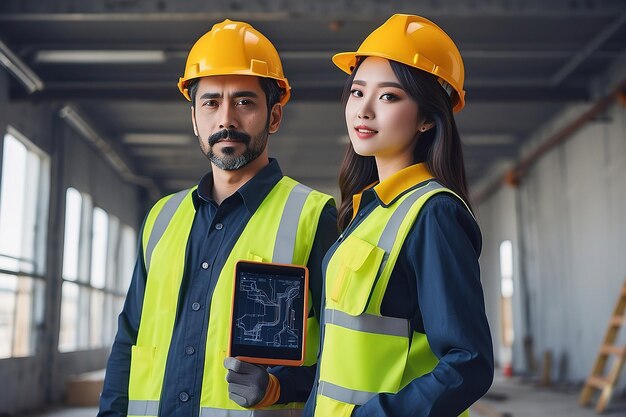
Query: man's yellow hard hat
[(234, 48), (419, 43)]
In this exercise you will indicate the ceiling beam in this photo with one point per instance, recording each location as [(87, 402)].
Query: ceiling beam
[(19, 69), (276, 10), (593, 45)]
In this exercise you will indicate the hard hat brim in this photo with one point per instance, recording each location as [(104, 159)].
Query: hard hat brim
[(345, 61)]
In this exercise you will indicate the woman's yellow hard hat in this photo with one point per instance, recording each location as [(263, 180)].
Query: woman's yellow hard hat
[(416, 42), (234, 48)]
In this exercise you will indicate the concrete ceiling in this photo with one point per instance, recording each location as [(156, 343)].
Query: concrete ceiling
[(524, 60)]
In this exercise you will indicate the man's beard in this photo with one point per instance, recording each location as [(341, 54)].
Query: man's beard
[(227, 160)]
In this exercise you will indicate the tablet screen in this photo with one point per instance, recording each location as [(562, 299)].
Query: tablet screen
[(268, 314)]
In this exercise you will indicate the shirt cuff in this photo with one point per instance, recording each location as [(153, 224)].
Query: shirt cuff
[(271, 394)]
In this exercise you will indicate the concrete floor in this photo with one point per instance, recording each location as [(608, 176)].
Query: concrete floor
[(509, 397), (512, 397)]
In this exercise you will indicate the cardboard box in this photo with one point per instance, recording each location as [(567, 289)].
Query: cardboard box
[(84, 389)]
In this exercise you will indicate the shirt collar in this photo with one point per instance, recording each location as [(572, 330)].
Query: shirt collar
[(252, 193), (389, 190)]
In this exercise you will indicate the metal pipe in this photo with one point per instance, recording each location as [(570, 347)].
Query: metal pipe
[(102, 145), (514, 175)]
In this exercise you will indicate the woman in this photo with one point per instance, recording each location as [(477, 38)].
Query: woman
[(404, 326)]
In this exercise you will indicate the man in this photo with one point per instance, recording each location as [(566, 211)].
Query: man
[(169, 355)]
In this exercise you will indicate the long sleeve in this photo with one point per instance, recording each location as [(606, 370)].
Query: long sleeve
[(441, 253), (114, 397), (296, 382)]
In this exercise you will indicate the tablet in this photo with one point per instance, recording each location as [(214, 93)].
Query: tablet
[(269, 312)]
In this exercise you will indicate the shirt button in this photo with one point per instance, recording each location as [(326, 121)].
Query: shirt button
[(195, 306), (183, 396), (205, 265), (189, 350), (219, 226)]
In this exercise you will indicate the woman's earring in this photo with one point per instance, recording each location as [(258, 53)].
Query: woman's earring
[(423, 129)]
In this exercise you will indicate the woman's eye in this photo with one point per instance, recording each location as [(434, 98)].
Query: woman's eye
[(388, 97), (356, 93)]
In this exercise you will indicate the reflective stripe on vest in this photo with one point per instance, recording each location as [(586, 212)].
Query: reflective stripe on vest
[(388, 237), (344, 395), (218, 412), (143, 408), (161, 222), (369, 323), (286, 236), (151, 408)]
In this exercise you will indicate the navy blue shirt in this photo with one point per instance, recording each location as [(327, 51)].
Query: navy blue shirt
[(435, 284), (215, 230)]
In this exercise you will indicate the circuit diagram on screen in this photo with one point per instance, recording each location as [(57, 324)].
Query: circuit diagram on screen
[(266, 314)]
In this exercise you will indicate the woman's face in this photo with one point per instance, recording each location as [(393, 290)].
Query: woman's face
[(381, 117)]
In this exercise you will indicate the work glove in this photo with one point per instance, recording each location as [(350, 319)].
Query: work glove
[(247, 382)]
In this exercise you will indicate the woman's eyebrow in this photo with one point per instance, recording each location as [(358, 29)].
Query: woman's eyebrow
[(381, 84)]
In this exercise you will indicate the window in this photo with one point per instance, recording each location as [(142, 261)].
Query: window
[(97, 252), (24, 198), (100, 225), (127, 255), (506, 305), (506, 268), (73, 208)]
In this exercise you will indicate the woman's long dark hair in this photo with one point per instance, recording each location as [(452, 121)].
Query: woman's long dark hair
[(439, 147)]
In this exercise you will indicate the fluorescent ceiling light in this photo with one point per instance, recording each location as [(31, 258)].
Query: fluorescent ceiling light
[(99, 57), (19, 69), (163, 139)]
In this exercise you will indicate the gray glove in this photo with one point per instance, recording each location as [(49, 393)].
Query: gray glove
[(247, 382)]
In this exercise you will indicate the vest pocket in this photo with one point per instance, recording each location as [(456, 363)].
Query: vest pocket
[(254, 257), (142, 359), (351, 274)]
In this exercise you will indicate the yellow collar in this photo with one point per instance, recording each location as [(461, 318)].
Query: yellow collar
[(392, 187)]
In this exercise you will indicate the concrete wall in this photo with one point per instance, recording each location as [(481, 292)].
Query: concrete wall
[(29, 383), (571, 250)]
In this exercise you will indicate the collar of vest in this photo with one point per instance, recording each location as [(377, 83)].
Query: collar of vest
[(397, 184)]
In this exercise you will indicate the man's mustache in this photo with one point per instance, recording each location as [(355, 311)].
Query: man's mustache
[(228, 134)]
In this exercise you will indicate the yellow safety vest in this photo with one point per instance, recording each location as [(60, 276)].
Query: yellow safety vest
[(365, 353), (281, 230)]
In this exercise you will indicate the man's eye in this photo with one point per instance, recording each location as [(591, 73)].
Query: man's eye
[(210, 103), (244, 102)]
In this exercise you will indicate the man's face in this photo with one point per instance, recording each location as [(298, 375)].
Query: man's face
[(230, 119)]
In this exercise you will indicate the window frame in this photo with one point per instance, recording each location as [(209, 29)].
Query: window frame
[(29, 294)]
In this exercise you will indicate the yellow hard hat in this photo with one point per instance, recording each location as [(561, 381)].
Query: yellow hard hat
[(419, 43), (234, 48)]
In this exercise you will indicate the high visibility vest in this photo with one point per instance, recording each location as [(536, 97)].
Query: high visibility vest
[(281, 230), (365, 353)]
